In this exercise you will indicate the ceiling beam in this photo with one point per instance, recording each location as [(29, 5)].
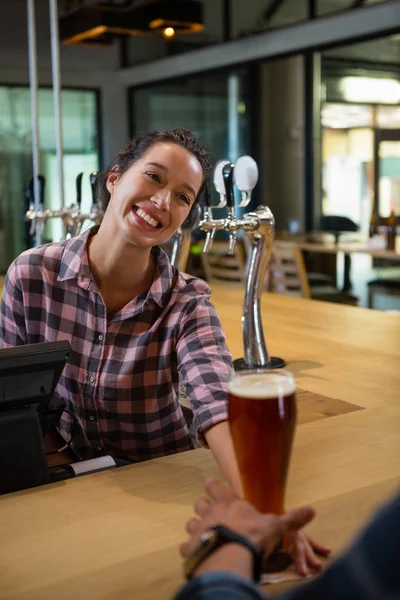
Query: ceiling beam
[(337, 29)]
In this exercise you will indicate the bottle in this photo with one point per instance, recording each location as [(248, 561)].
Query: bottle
[(391, 232), (374, 223)]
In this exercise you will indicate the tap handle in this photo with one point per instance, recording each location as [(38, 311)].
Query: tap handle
[(41, 184), (227, 174), (79, 190), (28, 196), (245, 176), (219, 182), (93, 186), (207, 196)]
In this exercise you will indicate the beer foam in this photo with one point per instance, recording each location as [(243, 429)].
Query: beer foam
[(262, 386)]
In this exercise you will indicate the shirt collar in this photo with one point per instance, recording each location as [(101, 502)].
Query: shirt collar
[(75, 260), (75, 265), (162, 285)]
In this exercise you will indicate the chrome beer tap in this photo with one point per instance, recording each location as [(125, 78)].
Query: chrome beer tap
[(208, 223), (95, 215), (39, 217), (227, 174), (259, 225), (262, 237), (181, 240)]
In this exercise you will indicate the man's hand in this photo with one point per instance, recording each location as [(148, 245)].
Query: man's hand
[(304, 552), (225, 508)]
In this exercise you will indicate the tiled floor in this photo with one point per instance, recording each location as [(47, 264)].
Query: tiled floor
[(361, 273)]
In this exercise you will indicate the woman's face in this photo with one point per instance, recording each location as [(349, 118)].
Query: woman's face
[(150, 200)]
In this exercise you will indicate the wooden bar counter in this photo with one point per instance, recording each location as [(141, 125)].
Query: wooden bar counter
[(115, 535)]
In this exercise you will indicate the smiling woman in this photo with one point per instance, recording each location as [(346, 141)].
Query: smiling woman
[(137, 326)]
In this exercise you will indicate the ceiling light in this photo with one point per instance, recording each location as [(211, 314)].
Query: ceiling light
[(169, 32), (371, 90), (96, 26), (184, 16)]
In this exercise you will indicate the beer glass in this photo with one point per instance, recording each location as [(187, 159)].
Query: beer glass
[(262, 418)]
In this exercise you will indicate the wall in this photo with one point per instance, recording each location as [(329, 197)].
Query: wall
[(282, 140)]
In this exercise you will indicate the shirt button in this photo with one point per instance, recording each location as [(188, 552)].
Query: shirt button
[(91, 379), (91, 418), (100, 338)]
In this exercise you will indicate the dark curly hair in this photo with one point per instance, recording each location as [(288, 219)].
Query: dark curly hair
[(139, 145)]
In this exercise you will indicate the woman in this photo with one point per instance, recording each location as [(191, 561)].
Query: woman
[(136, 325)]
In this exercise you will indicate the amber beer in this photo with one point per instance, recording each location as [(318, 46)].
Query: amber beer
[(262, 418)]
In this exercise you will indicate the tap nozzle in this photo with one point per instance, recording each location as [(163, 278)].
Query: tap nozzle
[(232, 242), (209, 240)]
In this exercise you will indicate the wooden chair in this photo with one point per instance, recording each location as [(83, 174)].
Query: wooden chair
[(288, 276), (218, 265), (387, 286)]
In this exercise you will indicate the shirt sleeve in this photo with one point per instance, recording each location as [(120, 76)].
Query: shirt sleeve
[(12, 314), (205, 365), (218, 586)]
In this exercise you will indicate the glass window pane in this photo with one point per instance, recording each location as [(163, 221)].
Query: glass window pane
[(344, 116), (389, 177), (388, 117), (347, 159), (81, 154), (214, 108)]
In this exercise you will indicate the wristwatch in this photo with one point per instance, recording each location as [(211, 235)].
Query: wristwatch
[(214, 538)]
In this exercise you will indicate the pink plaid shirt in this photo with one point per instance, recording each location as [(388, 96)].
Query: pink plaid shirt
[(121, 382)]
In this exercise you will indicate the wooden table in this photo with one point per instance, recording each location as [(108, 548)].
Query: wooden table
[(349, 248), (115, 535)]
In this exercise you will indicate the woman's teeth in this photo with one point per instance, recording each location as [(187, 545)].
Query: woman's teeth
[(143, 215)]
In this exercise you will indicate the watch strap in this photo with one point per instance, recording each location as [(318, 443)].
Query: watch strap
[(215, 538)]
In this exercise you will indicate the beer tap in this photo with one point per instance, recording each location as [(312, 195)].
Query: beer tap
[(93, 187), (227, 174), (72, 218), (181, 240), (259, 225), (39, 217), (262, 237), (95, 214), (208, 223)]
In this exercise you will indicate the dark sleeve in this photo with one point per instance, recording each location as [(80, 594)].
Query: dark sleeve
[(370, 570), (220, 586), (12, 313)]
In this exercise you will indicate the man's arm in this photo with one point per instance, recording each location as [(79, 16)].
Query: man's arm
[(227, 572)]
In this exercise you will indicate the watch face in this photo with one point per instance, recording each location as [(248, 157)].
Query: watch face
[(206, 537), (206, 544)]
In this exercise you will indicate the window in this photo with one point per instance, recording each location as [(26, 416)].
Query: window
[(81, 153)]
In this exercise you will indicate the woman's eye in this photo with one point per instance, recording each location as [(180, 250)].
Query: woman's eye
[(154, 176), (184, 198)]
